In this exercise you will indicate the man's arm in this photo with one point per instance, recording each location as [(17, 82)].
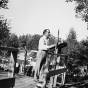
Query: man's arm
[(51, 46), (45, 47)]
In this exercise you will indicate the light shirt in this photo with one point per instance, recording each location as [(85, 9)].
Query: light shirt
[(43, 43)]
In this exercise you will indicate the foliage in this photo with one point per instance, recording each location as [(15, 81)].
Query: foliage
[(71, 43), (13, 41), (33, 44), (3, 4), (4, 31), (24, 40), (83, 51), (81, 9), (52, 40), (4, 27)]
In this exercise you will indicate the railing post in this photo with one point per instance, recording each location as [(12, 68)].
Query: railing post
[(11, 66), (57, 67), (25, 60), (15, 59), (58, 51)]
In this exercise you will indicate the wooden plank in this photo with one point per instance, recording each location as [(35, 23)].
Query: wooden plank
[(57, 54), (62, 45), (15, 60), (51, 53), (9, 48), (11, 66), (7, 82), (56, 72)]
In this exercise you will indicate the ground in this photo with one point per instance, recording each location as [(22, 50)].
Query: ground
[(28, 82), (22, 81)]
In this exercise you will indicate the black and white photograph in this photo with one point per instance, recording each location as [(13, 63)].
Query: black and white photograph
[(43, 43)]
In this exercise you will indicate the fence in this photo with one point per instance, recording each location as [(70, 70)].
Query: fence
[(9, 81), (55, 70)]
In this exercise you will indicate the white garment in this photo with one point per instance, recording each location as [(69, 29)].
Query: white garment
[(16, 64), (43, 43), (33, 64)]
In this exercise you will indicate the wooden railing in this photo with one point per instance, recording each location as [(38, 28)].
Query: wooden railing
[(9, 81), (56, 68), (54, 72)]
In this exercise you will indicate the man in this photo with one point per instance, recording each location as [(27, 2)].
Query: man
[(42, 52)]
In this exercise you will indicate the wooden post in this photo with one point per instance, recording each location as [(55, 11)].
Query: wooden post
[(14, 53), (11, 66), (57, 67), (25, 60)]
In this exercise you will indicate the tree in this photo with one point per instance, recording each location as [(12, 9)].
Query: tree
[(4, 31), (33, 44), (72, 43), (52, 40), (78, 51), (24, 40), (83, 48), (81, 9), (4, 4), (13, 41), (4, 25)]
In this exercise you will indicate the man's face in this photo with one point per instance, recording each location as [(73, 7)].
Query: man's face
[(48, 33)]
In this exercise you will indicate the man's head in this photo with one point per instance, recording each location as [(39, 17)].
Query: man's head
[(46, 32)]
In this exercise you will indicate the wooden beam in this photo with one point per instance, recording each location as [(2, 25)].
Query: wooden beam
[(56, 72), (11, 66), (7, 82), (15, 60), (25, 61), (9, 48), (50, 53), (57, 54)]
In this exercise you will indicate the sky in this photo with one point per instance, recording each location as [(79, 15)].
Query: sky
[(33, 16)]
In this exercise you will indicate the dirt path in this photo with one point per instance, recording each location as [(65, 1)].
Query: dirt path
[(24, 82)]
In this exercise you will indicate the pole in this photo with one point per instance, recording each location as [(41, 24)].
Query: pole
[(56, 66), (25, 60)]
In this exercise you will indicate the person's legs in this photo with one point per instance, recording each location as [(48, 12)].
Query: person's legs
[(40, 60), (36, 67), (38, 57), (43, 60)]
